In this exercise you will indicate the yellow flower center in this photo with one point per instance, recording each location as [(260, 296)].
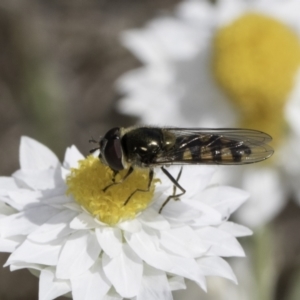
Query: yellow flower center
[(255, 61), (86, 184)]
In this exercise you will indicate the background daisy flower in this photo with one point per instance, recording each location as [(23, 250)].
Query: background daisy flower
[(232, 64), (53, 223)]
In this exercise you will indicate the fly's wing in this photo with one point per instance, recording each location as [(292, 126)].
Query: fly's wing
[(215, 146)]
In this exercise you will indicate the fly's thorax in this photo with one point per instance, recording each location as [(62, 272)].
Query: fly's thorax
[(142, 144)]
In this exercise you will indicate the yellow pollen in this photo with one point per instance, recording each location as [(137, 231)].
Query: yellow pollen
[(255, 61), (86, 184)]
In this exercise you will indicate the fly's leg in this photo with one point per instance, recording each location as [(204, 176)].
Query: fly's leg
[(151, 173), (130, 170), (92, 140), (94, 150), (176, 184)]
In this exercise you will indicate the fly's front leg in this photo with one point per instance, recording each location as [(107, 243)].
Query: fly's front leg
[(151, 173), (115, 173), (92, 140), (176, 184)]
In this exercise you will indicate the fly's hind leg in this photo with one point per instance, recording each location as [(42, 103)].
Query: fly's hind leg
[(130, 170), (176, 184), (151, 173)]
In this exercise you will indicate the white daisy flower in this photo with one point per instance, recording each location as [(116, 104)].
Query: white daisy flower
[(232, 64), (56, 221)]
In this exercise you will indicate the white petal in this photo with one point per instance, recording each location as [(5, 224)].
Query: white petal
[(65, 173), (124, 271), (83, 221), (8, 245), (151, 218), (235, 229), (268, 195), (56, 227), (112, 295), (193, 178), (72, 156), (230, 10), (35, 156), (147, 247), (154, 285), (144, 78), (51, 287), (225, 199), (110, 240), (35, 271), (6, 210), (31, 252), (196, 12), (143, 44), (73, 206), (188, 268), (7, 184), (183, 241), (40, 179), (179, 212), (130, 226), (221, 243), (78, 254), (292, 107), (22, 198), (133, 105), (57, 201), (92, 285), (156, 42), (209, 215), (216, 266), (26, 221), (177, 283), (168, 31), (23, 265)]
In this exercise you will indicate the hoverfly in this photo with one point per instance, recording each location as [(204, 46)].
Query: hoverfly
[(149, 147)]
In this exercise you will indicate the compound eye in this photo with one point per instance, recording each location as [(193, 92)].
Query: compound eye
[(112, 133), (113, 149)]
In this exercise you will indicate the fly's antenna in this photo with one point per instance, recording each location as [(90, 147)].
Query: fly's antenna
[(92, 140)]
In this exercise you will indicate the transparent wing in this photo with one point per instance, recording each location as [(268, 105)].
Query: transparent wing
[(216, 146)]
